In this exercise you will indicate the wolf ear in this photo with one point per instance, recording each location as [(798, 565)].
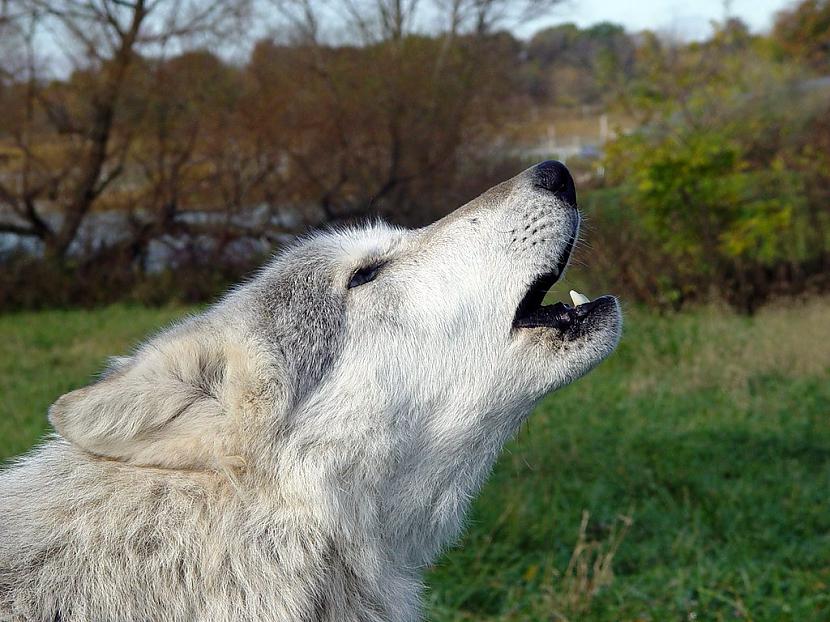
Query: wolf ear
[(165, 406)]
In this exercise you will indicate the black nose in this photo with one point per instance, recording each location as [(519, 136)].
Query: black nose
[(554, 177)]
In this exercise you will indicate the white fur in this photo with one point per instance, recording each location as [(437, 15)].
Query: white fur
[(301, 451)]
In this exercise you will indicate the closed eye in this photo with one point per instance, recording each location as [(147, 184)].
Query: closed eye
[(364, 275)]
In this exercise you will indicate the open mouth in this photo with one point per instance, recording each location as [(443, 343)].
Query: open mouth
[(531, 313)]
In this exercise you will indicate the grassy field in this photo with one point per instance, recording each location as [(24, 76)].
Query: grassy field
[(688, 478)]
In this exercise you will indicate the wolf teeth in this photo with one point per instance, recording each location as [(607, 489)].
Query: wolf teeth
[(579, 299)]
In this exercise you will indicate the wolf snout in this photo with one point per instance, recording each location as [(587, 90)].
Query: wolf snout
[(553, 176)]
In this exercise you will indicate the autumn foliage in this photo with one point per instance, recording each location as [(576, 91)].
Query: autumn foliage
[(152, 163)]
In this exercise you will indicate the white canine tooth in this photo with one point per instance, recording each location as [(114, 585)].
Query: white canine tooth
[(579, 299)]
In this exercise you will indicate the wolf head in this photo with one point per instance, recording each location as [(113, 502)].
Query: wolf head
[(365, 374)]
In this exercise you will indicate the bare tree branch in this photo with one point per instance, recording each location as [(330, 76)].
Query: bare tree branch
[(7, 227)]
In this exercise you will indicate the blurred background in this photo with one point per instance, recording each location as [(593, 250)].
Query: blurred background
[(153, 152)]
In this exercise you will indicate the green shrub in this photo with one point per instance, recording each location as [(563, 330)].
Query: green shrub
[(722, 190)]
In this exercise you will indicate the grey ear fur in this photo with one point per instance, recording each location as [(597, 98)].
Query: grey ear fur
[(165, 406)]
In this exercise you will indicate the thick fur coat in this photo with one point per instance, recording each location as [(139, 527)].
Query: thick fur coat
[(305, 448)]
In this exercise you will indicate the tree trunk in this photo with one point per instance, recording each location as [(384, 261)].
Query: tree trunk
[(105, 101)]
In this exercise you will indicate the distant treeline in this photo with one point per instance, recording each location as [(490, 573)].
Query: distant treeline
[(722, 191)]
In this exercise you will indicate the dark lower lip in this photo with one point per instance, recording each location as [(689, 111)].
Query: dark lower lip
[(563, 317)]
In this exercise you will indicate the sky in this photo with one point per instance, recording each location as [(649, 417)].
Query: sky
[(686, 20), (681, 20)]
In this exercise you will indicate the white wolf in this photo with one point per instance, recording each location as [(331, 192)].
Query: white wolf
[(303, 449)]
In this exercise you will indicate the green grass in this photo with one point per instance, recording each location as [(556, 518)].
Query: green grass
[(710, 431)]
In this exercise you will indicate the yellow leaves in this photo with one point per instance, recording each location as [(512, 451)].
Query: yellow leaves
[(645, 185), (759, 235)]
